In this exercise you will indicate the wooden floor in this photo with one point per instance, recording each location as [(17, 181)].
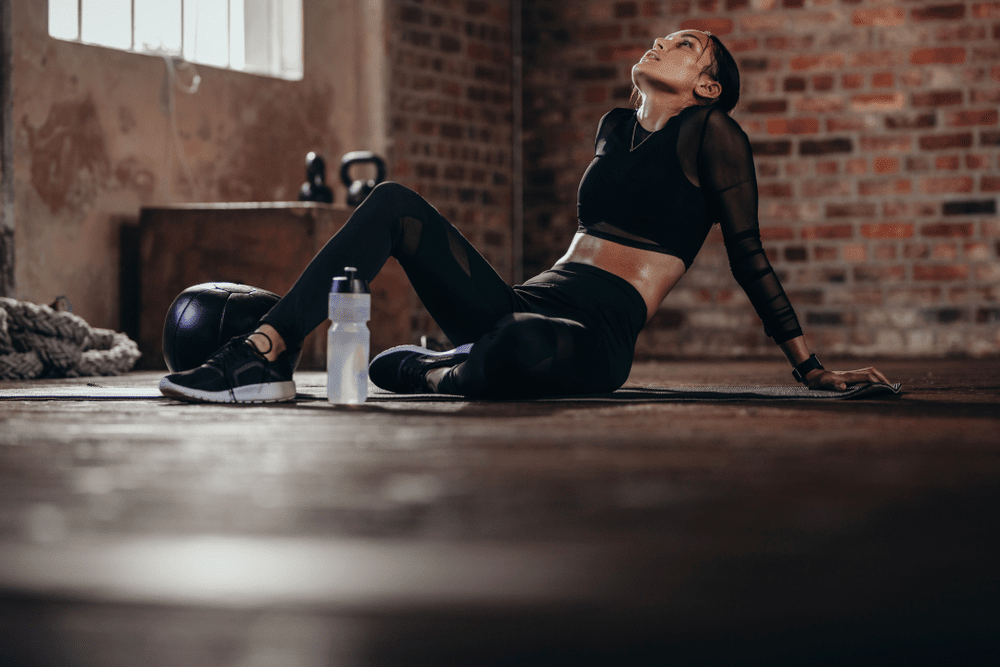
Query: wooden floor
[(154, 532)]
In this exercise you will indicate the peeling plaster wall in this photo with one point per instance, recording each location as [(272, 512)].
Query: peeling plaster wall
[(93, 140)]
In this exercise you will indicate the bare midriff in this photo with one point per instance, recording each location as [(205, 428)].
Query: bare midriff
[(652, 274)]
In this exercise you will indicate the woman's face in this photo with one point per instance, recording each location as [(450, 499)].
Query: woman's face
[(675, 63)]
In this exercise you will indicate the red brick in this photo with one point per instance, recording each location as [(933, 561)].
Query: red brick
[(885, 165), (820, 104), (796, 254), (852, 81), (794, 84), (959, 33), (879, 274), (826, 188), (887, 58), (937, 98), (886, 252), (621, 53), (626, 10), (986, 10), (761, 148), (888, 16), (792, 126), (769, 233), (976, 161), (989, 184), (947, 229), (878, 102), (741, 45), (985, 96), (762, 22), (828, 232), (953, 184), (930, 142), (822, 82), (825, 253), (596, 33), (946, 163), (595, 94), (887, 230), (855, 123), (883, 80), (966, 118), (938, 12), (651, 8), (946, 251), (874, 188), (941, 272), (910, 122), (944, 55), (902, 187), (826, 146), (908, 209), (767, 106), (826, 167), (775, 190), (851, 210), (825, 61), (715, 26), (901, 143)]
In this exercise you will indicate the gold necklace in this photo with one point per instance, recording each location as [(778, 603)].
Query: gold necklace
[(634, 145)]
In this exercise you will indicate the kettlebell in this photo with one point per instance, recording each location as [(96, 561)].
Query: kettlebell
[(315, 187), (358, 190)]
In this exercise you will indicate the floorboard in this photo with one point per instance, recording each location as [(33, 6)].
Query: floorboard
[(139, 530)]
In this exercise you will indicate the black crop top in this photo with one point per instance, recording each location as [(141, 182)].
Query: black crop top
[(647, 198)]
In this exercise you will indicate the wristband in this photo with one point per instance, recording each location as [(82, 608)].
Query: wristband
[(799, 372)]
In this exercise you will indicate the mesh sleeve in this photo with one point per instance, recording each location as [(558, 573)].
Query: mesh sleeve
[(726, 173)]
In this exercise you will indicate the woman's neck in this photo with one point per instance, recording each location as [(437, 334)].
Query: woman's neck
[(655, 111)]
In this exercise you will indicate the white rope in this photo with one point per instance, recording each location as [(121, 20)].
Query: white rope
[(37, 341)]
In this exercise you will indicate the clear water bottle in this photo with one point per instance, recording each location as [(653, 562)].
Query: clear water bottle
[(348, 341)]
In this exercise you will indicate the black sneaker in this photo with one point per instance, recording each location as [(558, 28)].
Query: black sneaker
[(403, 369), (237, 373)]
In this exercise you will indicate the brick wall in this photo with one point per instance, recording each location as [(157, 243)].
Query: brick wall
[(450, 123), (876, 138)]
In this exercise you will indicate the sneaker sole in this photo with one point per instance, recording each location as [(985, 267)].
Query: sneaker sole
[(461, 349), (269, 392)]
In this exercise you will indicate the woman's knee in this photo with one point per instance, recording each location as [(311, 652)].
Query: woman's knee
[(393, 194)]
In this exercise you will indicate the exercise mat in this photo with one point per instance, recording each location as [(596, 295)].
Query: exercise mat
[(674, 394), (89, 391), (308, 391)]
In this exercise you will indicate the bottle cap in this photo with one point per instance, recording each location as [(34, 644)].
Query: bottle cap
[(349, 283)]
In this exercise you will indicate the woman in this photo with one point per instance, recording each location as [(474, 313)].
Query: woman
[(662, 176)]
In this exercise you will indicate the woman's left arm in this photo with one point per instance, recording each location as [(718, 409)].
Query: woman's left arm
[(797, 353)]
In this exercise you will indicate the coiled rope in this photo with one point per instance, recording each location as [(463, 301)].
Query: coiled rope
[(38, 341)]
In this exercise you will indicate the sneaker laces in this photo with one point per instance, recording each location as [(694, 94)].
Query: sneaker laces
[(231, 351), (414, 374)]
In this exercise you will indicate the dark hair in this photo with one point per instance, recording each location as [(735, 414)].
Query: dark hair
[(724, 70)]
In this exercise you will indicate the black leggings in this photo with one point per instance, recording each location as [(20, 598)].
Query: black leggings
[(570, 330)]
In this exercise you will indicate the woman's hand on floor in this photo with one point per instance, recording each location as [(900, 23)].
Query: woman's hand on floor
[(839, 380)]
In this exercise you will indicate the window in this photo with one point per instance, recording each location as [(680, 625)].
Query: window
[(258, 36)]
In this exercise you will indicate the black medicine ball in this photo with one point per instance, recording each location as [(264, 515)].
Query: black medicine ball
[(204, 317)]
